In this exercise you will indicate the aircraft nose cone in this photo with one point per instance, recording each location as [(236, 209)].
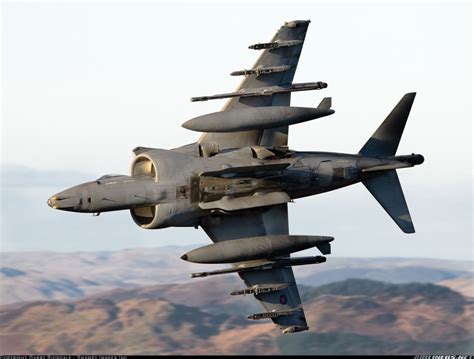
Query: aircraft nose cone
[(65, 200), (52, 202)]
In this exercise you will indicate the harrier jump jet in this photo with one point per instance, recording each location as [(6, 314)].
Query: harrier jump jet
[(235, 182)]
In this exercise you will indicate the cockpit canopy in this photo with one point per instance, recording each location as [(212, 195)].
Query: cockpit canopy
[(108, 176)]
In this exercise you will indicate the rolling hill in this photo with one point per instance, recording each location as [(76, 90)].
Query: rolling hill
[(354, 316)]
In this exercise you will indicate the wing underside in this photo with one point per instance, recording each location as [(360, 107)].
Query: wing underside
[(284, 298), (276, 66), (268, 83)]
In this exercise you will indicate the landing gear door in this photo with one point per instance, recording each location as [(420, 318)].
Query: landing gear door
[(325, 173)]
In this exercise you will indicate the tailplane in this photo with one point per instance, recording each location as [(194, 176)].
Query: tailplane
[(387, 191)]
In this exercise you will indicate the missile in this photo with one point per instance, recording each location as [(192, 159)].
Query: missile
[(253, 248), (261, 70), (275, 45), (254, 118), (261, 288), (265, 91), (251, 267), (272, 314)]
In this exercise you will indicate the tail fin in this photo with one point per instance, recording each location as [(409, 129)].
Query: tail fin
[(384, 141), (385, 187), (387, 191)]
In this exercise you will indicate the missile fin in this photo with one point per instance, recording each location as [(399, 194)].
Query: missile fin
[(325, 104)]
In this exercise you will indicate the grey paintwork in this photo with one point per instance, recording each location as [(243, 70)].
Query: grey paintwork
[(284, 56), (192, 193), (109, 193), (253, 248), (236, 185), (254, 118)]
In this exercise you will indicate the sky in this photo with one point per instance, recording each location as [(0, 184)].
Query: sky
[(84, 83)]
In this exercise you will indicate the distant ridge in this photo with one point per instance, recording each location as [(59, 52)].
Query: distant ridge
[(349, 317), (53, 275)]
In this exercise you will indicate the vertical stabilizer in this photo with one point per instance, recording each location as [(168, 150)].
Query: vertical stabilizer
[(384, 142)]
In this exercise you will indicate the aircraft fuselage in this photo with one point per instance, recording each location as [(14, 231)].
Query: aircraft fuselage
[(174, 188)]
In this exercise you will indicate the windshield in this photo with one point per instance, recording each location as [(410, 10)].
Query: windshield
[(108, 176)]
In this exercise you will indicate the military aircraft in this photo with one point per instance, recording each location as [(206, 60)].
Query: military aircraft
[(235, 182)]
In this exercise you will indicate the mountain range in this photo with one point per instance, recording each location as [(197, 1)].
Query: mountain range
[(142, 301), (28, 276), (354, 316)]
